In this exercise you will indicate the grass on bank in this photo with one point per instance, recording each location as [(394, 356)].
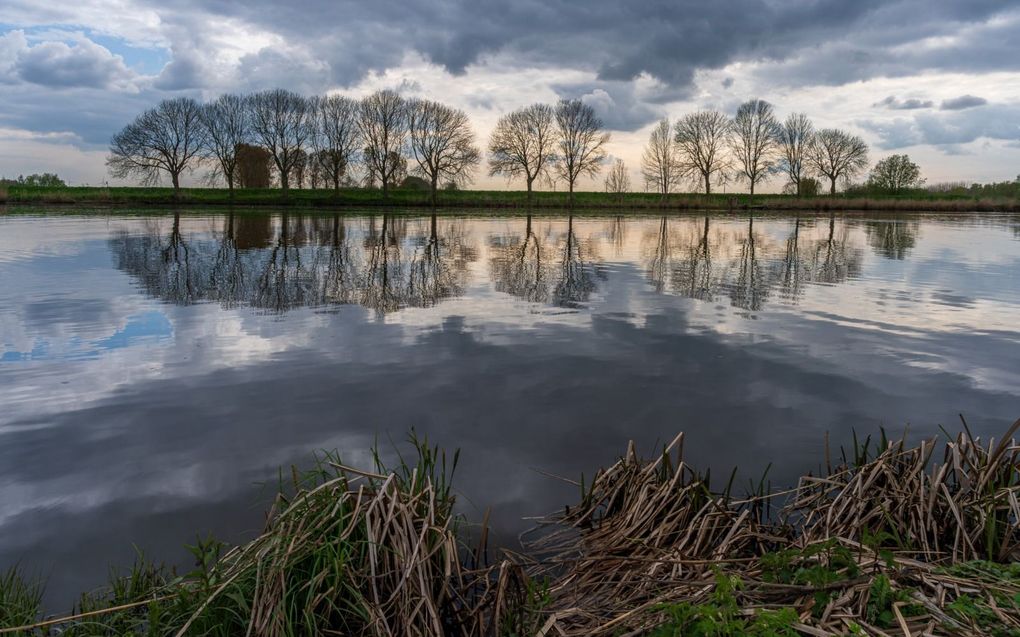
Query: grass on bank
[(360, 197), (894, 540)]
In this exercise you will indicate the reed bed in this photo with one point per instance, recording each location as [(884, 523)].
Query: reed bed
[(893, 539), (898, 542)]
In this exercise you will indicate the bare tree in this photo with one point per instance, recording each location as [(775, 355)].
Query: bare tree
[(836, 154), (523, 143), (701, 139), (442, 143), (281, 122), (382, 120), (795, 140), (755, 141), (227, 128), (618, 181), (337, 138), (660, 163), (166, 138), (581, 142)]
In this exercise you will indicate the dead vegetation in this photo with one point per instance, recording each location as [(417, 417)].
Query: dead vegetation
[(888, 543), (902, 539)]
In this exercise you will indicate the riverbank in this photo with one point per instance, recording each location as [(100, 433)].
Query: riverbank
[(895, 539), (481, 199)]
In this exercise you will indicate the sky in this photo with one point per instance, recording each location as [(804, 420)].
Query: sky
[(936, 79)]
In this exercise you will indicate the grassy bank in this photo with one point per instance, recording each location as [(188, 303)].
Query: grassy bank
[(491, 199), (894, 540)]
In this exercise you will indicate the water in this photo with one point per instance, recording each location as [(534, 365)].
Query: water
[(154, 371)]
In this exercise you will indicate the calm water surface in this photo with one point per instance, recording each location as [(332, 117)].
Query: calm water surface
[(154, 370)]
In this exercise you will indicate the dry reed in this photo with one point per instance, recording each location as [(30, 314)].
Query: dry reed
[(908, 540)]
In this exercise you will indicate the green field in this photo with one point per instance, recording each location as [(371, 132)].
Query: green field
[(495, 199)]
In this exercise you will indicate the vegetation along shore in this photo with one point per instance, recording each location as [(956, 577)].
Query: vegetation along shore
[(960, 200), (891, 539)]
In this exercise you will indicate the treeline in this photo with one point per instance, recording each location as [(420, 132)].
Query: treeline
[(1004, 189), (44, 180), (379, 141), (333, 140), (709, 147)]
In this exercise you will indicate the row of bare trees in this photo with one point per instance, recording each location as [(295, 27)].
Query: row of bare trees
[(327, 135), (754, 146), (385, 133), (324, 134), (568, 139)]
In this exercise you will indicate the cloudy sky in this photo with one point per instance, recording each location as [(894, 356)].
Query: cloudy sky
[(937, 79)]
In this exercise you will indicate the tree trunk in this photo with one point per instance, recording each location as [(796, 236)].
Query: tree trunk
[(570, 199), (752, 190), (530, 179), (797, 183), (385, 188), (832, 187), (708, 183), (230, 186), (336, 184), (176, 179), (435, 189)]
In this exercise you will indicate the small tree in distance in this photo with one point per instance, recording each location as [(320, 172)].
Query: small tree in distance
[(618, 181), (895, 173)]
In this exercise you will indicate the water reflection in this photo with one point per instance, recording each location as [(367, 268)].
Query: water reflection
[(296, 260), (388, 262), (892, 239), (159, 366), (745, 265)]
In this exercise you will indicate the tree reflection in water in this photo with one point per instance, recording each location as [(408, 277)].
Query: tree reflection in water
[(298, 261), (686, 258), (386, 262), (892, 239), (578, 270), (549, 267)]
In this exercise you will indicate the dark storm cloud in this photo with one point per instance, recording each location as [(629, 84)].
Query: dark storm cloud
[(669, 41), (963, 102), (877, 46)]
